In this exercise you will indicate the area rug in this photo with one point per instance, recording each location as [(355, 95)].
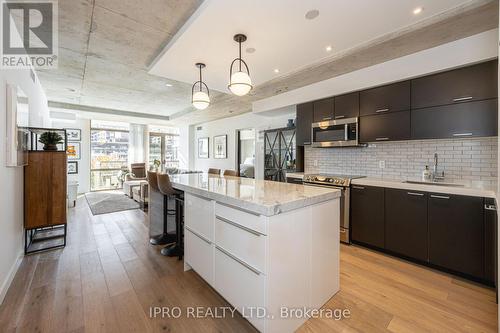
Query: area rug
[(109, 202)]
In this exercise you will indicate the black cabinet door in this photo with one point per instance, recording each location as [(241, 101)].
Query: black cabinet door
[(304, 121), (490, 241), (367, 215), (406, 223), (324, 109), (471, 83), (385, 127), (347, 106), (456, 239), (389, 98), (460, 120)]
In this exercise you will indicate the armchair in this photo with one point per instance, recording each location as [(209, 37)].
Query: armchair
[(137, 172)]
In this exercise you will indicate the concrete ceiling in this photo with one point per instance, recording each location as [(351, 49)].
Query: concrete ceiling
[(106, 47)]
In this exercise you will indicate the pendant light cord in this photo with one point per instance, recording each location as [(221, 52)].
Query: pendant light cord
[(239, 42), (201, 88)]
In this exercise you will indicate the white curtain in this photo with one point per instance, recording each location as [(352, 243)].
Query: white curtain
[(137, 142)]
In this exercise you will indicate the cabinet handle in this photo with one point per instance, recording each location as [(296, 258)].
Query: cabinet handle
[(490, 207), (460, 99), (235, 258), (358, 187), (327, 118), (415, 194), (382, 110), (439, 196), (462, 134), (237, 225), (307, 142), (381, 139), (198, 235), (339, 117)]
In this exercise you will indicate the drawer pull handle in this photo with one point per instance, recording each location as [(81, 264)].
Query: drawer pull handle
[(490, 207), (327, 118), (462, 134), (232, 256), (237, 225), (382, 110), (339, 117), (460, 99), (198, 235), (381, 139), (439, 196), (416, 194), (358, 187), (307, 142)]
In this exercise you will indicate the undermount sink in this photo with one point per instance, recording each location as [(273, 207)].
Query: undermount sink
[(432, 183)]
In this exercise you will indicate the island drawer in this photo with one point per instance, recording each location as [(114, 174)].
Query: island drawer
[(246, 219), (246, 244), (198, 215), (240, 286), (199, 254)]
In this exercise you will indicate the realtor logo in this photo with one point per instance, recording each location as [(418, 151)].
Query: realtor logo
[(29, 34)]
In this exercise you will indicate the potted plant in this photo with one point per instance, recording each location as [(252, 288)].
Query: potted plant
[(50, 140)]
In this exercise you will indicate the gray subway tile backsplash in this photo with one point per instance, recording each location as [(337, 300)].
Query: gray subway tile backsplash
[(461, 159)]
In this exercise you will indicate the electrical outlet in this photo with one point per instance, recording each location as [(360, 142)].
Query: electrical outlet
[(315, 163), (381, 164)]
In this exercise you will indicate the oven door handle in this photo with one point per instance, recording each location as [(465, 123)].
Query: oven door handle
[(322, 185)]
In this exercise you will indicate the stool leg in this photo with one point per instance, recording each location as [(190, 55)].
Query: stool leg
[(164, 238)]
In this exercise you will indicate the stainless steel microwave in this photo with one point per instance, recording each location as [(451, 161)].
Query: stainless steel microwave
[(335, 133)]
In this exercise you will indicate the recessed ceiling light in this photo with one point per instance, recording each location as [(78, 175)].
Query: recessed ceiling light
[(328, 48), (168, 84), (418, 10), (312, 14), (250, 49), (276, 70)]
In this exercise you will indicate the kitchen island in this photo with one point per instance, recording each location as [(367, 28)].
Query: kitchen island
[(266, 247)]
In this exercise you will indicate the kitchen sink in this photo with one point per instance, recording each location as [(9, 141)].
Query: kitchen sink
[(432, 183)]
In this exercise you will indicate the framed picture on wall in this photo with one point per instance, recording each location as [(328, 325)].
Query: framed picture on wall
[(203, 148), (220, 146), (74, 134), (73, 150), (72, 167)]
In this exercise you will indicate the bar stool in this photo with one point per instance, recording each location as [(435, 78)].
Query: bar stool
[(163, 238), (167, 190), (214, 171), (230, 173)]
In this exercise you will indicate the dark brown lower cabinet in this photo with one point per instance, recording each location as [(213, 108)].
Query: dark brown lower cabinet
[(456, 233), (406, 223), (490, 240), (367, 215)]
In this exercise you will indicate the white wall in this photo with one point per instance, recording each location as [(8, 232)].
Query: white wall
[(11, 195), (229, 126), (83, 176)]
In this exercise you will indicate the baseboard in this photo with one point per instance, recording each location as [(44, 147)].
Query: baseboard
[(10, 277)]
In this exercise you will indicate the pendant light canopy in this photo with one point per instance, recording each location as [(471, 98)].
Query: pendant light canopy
[(239, 76), (200, 95)]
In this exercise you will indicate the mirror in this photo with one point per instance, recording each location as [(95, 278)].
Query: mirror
[(17, 127)]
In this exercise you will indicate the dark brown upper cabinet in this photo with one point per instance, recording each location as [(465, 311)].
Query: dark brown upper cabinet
[(324, 109), (473, 119), (385, 127), (389, 98), (304, 121), (347, 106), (466, 84)]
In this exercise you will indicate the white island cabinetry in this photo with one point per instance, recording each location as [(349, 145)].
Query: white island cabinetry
[(263, 259)]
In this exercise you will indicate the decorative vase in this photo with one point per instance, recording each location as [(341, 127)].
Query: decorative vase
[(50, 146), (290, 123)]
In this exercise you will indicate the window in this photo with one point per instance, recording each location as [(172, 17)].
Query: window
[(164, 147), (108, 153)]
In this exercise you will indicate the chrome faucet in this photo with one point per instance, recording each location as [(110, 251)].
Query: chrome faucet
[(435, 175)]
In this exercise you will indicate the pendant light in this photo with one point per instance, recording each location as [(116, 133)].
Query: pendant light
[(200, 98), (239, 81)]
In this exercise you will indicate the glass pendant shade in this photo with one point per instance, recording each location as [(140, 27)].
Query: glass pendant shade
[(201, 100), (240, 83)]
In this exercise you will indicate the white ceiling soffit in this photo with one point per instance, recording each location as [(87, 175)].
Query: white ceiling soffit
[(282, 37)]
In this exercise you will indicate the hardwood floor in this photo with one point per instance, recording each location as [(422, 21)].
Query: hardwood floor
[(108, 277)]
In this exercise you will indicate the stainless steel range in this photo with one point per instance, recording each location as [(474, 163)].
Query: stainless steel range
[(343, 183)]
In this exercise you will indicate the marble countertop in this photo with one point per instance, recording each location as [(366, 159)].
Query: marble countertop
[(259, 196), (299, 175), (470, 188)]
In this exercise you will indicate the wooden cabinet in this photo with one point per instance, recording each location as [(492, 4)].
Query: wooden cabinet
[(367, 215), (456, 239), (45, 189), (346, 106), (406, 223), (466, 84), (490, 241), (473, 119), (385, 127), (304, 121), (324, 109), (389, 98)]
